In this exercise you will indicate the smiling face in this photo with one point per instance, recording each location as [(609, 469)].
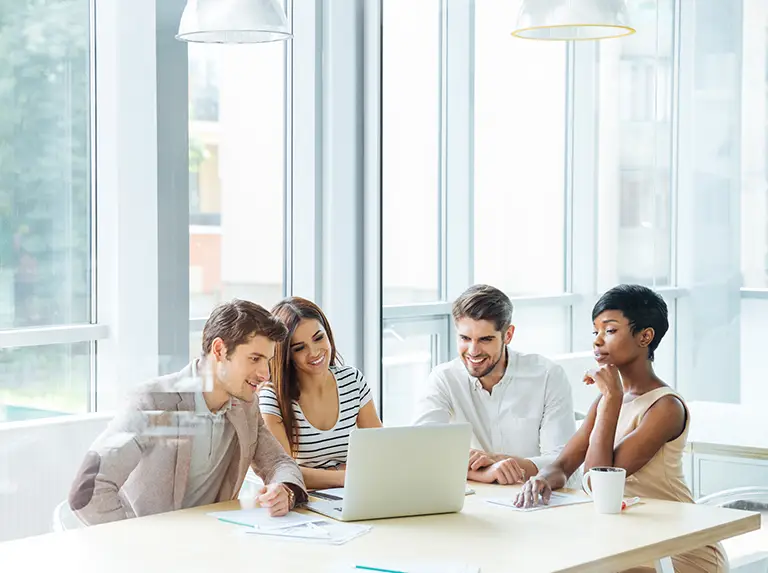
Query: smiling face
[(240, 372), (481, 346), (614, 342), (310, 348)]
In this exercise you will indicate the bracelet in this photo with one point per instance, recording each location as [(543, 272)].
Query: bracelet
[(291, 496)]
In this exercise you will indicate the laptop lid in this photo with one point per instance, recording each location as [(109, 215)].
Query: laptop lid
[(402, 471)]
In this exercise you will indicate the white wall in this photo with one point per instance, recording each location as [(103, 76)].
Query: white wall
[(38, 461)]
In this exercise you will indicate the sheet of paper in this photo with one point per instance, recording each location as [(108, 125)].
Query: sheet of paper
[(320, 531), (259, 518), (558, 499)]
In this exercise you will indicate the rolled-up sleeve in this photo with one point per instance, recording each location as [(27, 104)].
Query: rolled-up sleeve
[(557, 423), (433, 404), (273, 465)]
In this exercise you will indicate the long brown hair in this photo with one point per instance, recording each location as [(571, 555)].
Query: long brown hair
[(285, 382)]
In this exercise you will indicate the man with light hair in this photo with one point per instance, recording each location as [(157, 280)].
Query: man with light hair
[(187, 439)]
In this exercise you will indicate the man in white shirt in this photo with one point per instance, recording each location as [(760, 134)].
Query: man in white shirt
[(519, 405)]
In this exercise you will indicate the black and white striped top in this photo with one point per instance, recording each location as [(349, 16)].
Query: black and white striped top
[(325, 449)]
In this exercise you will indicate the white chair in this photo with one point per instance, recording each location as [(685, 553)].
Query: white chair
[(747, 553), (64, 519)]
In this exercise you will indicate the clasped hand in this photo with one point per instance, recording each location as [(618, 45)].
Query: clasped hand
[(490, 468), (606, 378), (274, 497)]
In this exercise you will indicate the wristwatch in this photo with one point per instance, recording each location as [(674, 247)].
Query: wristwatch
[(291, 496)]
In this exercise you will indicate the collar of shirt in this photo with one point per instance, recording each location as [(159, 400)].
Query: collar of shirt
[(505, 379), (201, 408)]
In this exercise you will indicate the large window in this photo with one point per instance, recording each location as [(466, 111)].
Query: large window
[(519, 156), (754, 148), (410, 350), (237, 142), (634, 150), (638, 160), (45, 202), (411, 154), (754, 201), (44, 381)]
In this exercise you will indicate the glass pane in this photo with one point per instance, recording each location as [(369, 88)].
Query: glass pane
[(754, 327), (195, 344), (541, 329), (45, 194), (664, 360), (708, 200), (520, 97), (407, 362), (236, 173), (44, 381), (754, 146), (410, 150), (634, 150)]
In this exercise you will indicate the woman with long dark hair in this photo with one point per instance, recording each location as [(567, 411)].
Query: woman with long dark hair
[(313, 400)]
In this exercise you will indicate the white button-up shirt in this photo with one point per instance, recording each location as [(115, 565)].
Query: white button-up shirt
[(528, 414)]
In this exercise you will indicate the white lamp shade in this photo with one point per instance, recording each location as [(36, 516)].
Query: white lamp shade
[(572, 20), (233, 22)]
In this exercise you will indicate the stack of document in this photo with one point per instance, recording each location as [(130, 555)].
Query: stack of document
[(292, 525)]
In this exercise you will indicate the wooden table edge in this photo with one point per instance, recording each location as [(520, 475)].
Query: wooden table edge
[(650, 553)]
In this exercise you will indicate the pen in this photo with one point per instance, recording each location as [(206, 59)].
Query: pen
[(234, 522), (377, 569), (629, 502)]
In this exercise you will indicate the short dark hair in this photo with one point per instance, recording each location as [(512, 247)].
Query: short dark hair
[(641, 306), (237, 321), (484, 302)]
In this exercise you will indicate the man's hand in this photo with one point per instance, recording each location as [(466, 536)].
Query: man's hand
[(478, 459), (505, 472), (535, 488), (275, 498)]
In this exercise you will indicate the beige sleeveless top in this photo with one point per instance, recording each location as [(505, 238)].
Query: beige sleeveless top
[(662, 478)]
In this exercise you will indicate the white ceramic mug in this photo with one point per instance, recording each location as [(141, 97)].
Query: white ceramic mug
[(607, 489)]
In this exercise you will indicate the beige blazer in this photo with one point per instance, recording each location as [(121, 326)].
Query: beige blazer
[(140, 464)]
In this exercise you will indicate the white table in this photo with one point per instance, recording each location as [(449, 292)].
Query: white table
[(493, 537)]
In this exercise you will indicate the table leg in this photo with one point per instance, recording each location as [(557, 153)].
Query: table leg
[(664, 565)]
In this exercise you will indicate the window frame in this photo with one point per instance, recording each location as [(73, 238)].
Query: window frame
[(580, 186)]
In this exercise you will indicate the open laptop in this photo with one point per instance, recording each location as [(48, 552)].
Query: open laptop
[(398, 472)]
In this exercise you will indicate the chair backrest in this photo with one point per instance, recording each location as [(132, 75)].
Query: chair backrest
[(64, 519), (746, 553), (749, 498)]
